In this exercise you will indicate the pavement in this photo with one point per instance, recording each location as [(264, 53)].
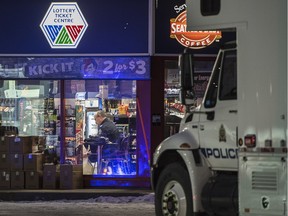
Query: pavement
[(69, 194)]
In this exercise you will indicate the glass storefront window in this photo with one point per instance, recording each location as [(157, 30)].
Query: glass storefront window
[(174, 110), (95, 149), (32, 109), (29, 110)]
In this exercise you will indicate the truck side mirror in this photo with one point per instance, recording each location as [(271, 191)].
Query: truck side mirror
[(185, 62)]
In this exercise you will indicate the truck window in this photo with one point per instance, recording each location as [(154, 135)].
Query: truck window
[(210, 7), (211, 96), (228, 83)]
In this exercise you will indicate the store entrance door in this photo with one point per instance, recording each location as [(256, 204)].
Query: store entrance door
[(174, 110)]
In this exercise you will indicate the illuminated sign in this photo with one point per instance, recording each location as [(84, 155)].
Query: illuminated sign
[(191, 39), (136, 68), (64, 25)]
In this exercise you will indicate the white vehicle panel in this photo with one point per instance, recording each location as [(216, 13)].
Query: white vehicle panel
[(218, 137), (263, 185)]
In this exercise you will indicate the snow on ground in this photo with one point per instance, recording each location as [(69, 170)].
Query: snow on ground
[(101, 206)]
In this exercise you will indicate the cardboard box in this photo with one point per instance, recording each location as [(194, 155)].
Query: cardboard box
[(16, 162), (33, 179), (4, 161), (33, 162), (4, 147), (71, 176), (19, 144), (4, 179), (17, 179), (51, 176), (38, 143)]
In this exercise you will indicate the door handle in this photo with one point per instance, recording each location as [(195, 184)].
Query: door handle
[(233, 111)]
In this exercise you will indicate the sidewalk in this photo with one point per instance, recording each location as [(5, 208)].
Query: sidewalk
[(74, 194)]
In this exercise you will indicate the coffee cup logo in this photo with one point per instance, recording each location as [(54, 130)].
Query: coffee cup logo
[(191, 39)]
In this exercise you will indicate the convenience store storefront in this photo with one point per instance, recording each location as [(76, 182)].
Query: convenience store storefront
[(61, 65)]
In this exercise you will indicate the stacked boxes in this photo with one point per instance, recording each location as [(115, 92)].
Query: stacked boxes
[(21, 168), (18, 147), (16, 171), (4, 161), (33, 162), (17, 179), (50, 176), (4, 179), (71, 176), (19, 144), (16, 162), (4, 146), (38, 143), (33, 179), (33, 168), (12, 149)]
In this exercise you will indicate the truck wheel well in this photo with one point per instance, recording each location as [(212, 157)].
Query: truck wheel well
[(166, 158)]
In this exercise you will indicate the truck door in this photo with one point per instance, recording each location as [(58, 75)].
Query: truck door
[(217, 128)]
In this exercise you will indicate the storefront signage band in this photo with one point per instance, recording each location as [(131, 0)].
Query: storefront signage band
[(136, 68)]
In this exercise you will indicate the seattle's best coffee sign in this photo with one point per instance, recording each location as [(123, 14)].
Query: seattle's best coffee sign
[(190, 39)]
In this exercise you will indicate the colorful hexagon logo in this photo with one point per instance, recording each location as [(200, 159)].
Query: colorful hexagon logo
[(64, 25)]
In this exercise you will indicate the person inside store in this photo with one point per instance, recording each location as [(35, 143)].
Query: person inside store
[(108, 137), (106, 128)]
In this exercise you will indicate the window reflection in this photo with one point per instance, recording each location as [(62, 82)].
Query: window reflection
[(32, 109)]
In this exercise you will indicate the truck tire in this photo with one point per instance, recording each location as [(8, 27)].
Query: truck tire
[(173, 194)]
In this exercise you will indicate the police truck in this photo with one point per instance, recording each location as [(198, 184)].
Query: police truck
[(230, 155)]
